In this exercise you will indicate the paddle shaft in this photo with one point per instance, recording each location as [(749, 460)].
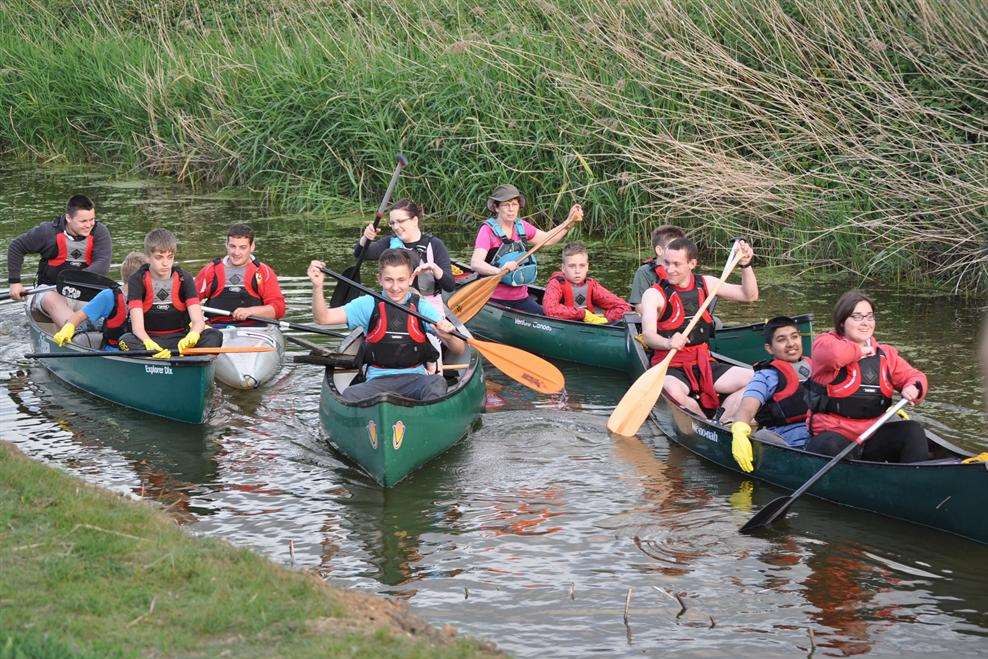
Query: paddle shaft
[(188, 352), (27, 291), (282, 324), (779, 510), (385, 200), (387, 300)]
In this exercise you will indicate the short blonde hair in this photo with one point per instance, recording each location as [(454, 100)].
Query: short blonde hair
[(131, 264), (160, 240)]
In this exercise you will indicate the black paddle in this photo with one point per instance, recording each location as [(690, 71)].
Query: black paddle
[(282, 324), (94, 353), (344, 292), (27, 291), (82, 285), (779, 507)]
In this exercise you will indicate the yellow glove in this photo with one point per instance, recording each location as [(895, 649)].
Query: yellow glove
[(980, 457), (741, 446), (902, 414), (64, 335), (162, 353), (592, 318), (188, 341)]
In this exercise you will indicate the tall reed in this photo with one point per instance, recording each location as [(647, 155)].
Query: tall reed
[(832, 133)]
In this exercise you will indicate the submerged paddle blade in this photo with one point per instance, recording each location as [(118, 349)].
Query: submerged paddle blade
[(521, 366), (469, 300), (629, 415), (775, 509)]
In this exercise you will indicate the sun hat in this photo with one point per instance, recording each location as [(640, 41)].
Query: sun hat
[(504, 193)]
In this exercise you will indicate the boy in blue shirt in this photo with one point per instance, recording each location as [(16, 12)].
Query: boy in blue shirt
[(396, 347), (774, 397), (108, 307)]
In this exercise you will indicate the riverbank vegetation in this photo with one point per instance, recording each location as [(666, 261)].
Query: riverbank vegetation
[(89, 574), (833, 133)]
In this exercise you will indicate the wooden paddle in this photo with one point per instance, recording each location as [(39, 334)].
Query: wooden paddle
[(637, 402), (778, 507), (469, 300), (343, 293), (188, 352), (282, 324), (519, 365)]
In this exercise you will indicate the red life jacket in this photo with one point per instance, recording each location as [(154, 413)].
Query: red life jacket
[(116, 324), (397, 339), (658, 270), (861, 390), (788, 403), (681, 305), (228, 297), (70, 254), (164, 316), (567, 289)]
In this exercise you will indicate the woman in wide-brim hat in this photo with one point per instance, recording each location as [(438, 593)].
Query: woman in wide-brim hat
[(502, 239)]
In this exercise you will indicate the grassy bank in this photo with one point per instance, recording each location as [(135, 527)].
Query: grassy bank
[(88, 573), (841, 134)]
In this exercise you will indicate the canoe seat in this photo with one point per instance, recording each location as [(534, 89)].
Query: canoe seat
[(88, 340), (769, 437)]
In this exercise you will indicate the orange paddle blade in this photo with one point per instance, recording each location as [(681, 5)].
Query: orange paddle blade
[(638, 401), (226, 350), (522, 366), (469, 300)]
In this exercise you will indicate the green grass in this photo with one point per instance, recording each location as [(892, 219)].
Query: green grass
[(88, 573), (845, 135)]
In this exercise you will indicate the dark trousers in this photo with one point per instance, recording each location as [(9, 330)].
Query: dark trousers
[(208, 338), (525, 304), (899, 441), (417, 386)]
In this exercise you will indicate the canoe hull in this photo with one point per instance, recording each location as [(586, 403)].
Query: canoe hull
[(250, 370), (390, 437), (177, 390), (943, 495)]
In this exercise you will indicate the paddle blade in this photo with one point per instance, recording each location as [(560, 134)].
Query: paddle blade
[(774, 510), (522, 366), (629, 415), (224, 350), (343, 292), (469, 300)]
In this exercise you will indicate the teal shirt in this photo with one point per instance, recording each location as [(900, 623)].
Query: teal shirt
[(358, 314)]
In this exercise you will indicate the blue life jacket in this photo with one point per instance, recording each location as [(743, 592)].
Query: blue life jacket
[(512, 250)]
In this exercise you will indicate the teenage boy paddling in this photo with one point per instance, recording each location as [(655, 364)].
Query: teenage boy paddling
[(74, 241), (669, 306), (396, 347), (775, 397), (572, 295), (239, 283), (164, 308)]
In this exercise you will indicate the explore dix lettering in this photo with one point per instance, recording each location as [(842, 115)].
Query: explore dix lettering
[(154, 369)]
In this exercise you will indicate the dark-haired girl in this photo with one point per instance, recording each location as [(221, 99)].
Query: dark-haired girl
[(853, 379), (432, 271)]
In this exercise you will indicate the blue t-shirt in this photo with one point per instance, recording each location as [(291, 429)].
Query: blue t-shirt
[(358, 314), (762, 386), (99, 308)]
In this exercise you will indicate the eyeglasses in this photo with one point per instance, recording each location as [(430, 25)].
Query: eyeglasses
[(859, 317), (397, 222)]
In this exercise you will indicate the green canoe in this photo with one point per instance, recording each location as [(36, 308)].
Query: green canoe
[(601, 346), (390, 436), (941, 493), (179, 389)]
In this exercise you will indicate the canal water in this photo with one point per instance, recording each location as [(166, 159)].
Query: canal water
[(540, 531)]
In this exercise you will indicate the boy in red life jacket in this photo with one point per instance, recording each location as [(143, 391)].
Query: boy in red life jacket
[(853, 380), (653, 270), (239, 283), (775, 397), (572, 295), (164, 307), (669, 306), (108, 307), (74, 241), (396, 347)]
